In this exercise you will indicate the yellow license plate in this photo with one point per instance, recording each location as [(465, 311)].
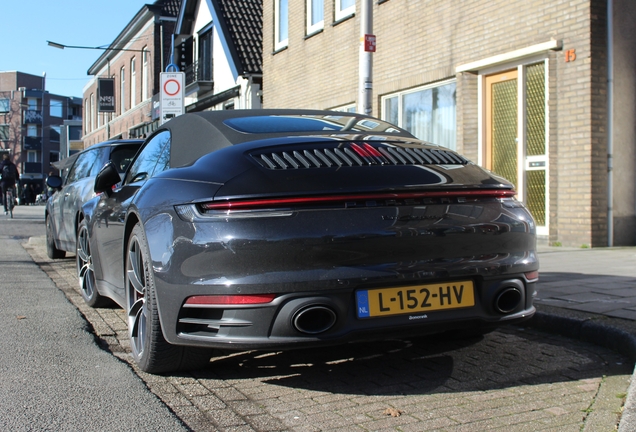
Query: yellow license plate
[(415, 299)]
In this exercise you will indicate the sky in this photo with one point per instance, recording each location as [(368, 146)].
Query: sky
[(26, 25)]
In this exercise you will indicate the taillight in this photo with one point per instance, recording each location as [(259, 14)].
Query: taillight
[(532, 276), (271, 203), (249, 299)]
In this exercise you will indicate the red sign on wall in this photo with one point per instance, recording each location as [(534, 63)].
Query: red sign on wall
[(369, 43)]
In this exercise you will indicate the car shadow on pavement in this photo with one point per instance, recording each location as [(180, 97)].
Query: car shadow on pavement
[(508, 357)]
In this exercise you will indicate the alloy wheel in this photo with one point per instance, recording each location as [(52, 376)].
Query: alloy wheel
[(85, 269), (136, 286)]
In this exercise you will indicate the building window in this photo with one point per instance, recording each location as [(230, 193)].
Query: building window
[(428, 112), (315, 16), (351, 108), (32, 130), (122, 89), (87, 115), (5, 104), (281, 24), (32, 104), (4, 132), (56, 108), (144, 74), (32, 156), (345, 8), (133, 83), (204, 61), (92, 112), (54, 133)]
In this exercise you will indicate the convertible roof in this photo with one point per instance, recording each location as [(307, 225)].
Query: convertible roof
[(197, 134)]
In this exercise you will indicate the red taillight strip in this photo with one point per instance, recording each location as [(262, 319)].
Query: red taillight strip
[(230, 299), (291, 201)]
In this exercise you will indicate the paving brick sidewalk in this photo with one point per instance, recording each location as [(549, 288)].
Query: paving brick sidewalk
[(590, 294)]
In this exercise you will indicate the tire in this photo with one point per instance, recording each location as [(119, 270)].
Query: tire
[(85, 270), (150, 350), (52, 251)]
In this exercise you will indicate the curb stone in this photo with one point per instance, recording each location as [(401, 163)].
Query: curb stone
[(587, 330)]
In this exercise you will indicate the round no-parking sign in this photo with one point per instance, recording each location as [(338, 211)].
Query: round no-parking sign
[(172, 87), (171, 95)]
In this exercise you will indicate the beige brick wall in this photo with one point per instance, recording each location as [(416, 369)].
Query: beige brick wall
[(421, 42)]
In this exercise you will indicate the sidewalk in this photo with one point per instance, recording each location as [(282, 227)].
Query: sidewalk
[(590, 295), (583, 294)]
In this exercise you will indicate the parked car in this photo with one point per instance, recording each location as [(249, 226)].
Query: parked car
[(278, 229), (75, 186)]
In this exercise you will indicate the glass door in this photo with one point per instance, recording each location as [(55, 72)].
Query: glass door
[(502, 131), (515, 134)]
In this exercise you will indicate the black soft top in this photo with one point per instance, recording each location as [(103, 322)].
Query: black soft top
[(197, 134)]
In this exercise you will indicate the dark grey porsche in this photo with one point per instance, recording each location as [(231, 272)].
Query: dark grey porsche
[(278, 229)]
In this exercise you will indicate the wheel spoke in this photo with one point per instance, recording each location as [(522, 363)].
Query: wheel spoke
[(135, 272), (137, 326), (83, 251), (136, 313), (86, 276)]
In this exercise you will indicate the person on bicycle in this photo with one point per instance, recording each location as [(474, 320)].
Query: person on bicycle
[(10, 176)]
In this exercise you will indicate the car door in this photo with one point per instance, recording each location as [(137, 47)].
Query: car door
[(76, 190), (111, 212), (79, 191)]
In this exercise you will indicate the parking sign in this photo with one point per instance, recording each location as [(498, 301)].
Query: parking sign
[(171, 95)]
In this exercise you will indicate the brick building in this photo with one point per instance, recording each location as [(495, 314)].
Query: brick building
[(540, 92), (31, 123), (134, 60)]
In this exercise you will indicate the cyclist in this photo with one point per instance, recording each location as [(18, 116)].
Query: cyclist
[(10, 176)]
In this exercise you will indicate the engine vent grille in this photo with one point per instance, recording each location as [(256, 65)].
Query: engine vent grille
[(356, 154)]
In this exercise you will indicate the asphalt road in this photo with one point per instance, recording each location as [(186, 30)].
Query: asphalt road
[(55, 376)]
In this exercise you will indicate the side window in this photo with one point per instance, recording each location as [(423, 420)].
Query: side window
[(122, 155), (82, 166), (151, 155), (163, 163)]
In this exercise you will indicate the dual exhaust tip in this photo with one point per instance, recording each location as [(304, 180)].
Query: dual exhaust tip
[(316, 319)]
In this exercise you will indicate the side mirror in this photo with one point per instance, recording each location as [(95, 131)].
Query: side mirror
[(107, 178), (54, 182)]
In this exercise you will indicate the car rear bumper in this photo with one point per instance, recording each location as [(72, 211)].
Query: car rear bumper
[(309, 318)]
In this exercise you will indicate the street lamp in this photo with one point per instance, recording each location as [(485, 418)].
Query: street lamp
[(62, 46)]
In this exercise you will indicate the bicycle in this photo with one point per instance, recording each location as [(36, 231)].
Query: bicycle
[(9, 200)]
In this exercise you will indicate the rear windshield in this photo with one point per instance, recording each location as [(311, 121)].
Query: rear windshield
[(309, 123)]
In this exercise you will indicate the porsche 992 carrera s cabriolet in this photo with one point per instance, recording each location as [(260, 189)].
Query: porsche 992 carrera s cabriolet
[(279, 229)]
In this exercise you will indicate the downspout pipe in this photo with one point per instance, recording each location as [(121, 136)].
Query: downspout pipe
[(610, 123)]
